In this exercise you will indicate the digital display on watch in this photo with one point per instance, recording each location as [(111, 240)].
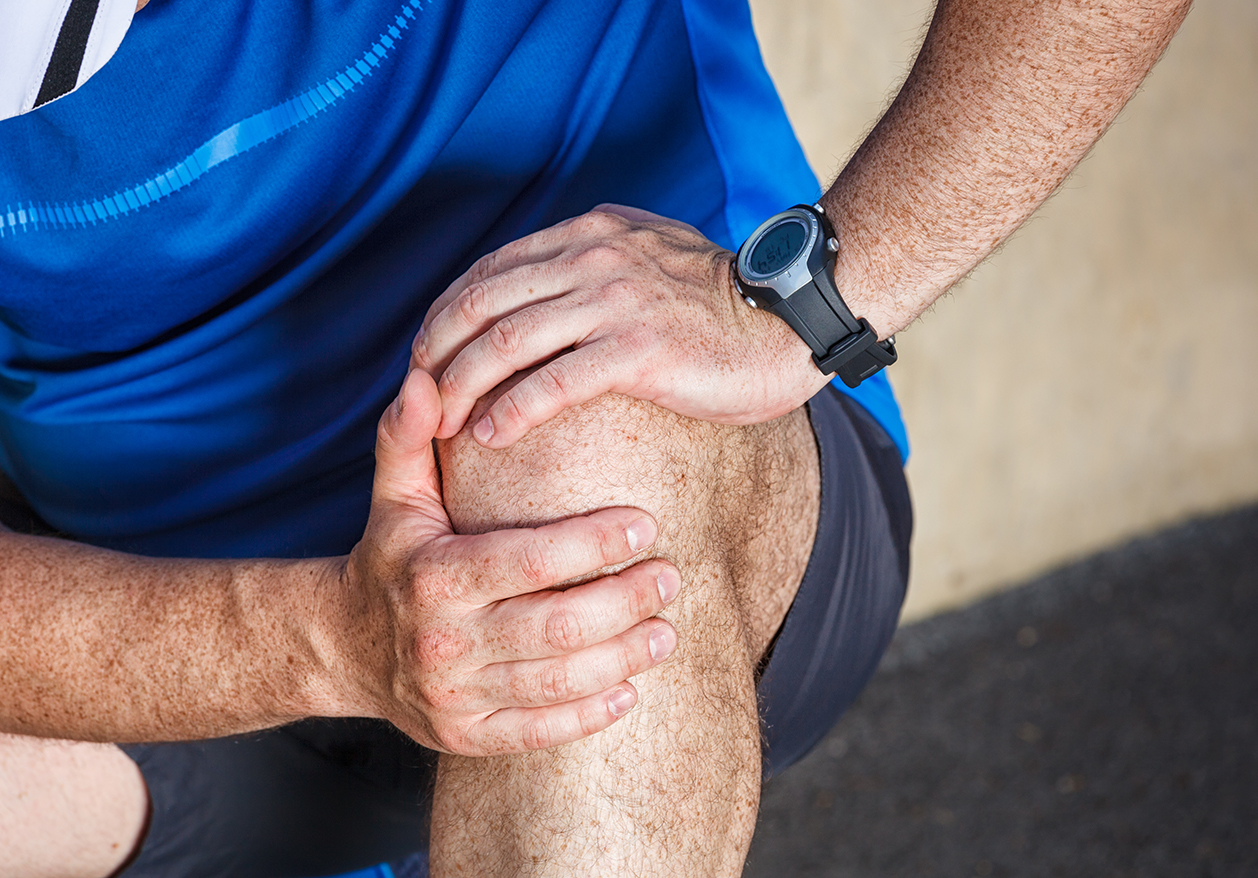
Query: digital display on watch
[(778, 247)]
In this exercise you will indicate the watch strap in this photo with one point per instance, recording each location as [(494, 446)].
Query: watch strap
[(811, 314), (857, 356), (841, 343), (857, 353)]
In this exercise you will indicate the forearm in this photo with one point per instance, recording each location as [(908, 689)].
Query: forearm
[(99, 645), (451, 638), (1005, 98)]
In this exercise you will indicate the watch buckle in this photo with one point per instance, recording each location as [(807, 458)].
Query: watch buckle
[(857, 356)]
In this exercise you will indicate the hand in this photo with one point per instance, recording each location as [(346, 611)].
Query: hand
[(463, 641), (616, 300)]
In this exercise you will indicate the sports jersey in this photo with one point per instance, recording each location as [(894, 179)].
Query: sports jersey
[(215, 253)]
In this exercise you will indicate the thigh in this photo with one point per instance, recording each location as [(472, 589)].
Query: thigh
[(67, 808), (848, 604)]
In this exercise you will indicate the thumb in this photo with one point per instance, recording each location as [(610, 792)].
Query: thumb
[(406, 470)]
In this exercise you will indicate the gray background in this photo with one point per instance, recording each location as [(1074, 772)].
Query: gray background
[(1100, 721)]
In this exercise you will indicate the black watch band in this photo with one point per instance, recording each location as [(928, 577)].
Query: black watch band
[(857, 356), (811, 305)]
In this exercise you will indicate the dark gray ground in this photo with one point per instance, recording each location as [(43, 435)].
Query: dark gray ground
[(1100, 721)]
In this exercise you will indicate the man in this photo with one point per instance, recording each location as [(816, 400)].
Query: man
[(215, 254)]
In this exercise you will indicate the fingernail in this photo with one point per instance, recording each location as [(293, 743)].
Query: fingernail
[(484, 429), (669, 583), (640, 534), (620, 702), (662, 642)]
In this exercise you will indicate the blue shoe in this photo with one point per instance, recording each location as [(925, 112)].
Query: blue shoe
[(414, 866)]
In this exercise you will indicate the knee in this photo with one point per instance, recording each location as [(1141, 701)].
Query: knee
[(736, 506), (611, 451)]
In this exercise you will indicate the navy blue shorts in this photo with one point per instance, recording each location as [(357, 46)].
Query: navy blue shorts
[(327, 796)]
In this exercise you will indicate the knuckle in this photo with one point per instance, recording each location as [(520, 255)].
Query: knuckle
[(644, 237), (563, 631), (420, 355), (440, 697), (451, 383), (600, 257), (438, 647), (473, 304), (638, 602), (598, 222), (384, 439), (505, 337), (590, 719), (450, 738), (535, 734), (609, 543), (556, 380), (626, 660), (536, 564), (486, 266), (624, 291), (555, 682)]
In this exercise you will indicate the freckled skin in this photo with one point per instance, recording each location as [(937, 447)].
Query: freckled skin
[(675, 784), (1005, 98)]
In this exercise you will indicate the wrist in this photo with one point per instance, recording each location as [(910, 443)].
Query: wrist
[(862, 272), (298, 608), (781, 348), (788, 266)]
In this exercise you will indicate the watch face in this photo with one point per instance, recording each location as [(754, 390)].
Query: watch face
[(778, 247)]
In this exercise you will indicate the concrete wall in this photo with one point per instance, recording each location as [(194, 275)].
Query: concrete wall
[(1098, 377)]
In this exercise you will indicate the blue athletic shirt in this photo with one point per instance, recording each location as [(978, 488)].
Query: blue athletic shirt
[(214, 255)]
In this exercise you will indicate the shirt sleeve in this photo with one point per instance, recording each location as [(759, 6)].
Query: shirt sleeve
[(48, 48)]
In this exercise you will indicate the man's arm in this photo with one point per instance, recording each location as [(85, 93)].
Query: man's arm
[(455, 639), (1005, 98)]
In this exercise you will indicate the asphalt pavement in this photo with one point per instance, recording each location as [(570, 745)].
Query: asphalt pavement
[(1099, 721)]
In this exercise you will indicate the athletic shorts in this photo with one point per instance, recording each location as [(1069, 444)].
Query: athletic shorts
[(324, 797)]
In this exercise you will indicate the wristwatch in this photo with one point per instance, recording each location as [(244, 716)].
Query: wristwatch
[(787, 267)]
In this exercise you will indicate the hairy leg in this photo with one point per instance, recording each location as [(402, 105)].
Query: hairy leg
[(672, 788), (67, 809)]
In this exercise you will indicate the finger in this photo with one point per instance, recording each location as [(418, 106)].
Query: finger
[(522, 729), (540, 246), (512, 344), (552, 623), (508, 563), (568, 380), (406, 471), (478, 306), (638, 215), (571, 677), (432, 351)]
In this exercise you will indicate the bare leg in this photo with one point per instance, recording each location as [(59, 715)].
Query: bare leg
[(67, 809), (673, 788)]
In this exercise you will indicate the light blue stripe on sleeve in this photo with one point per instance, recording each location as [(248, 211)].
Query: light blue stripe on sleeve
[(233, 141)]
